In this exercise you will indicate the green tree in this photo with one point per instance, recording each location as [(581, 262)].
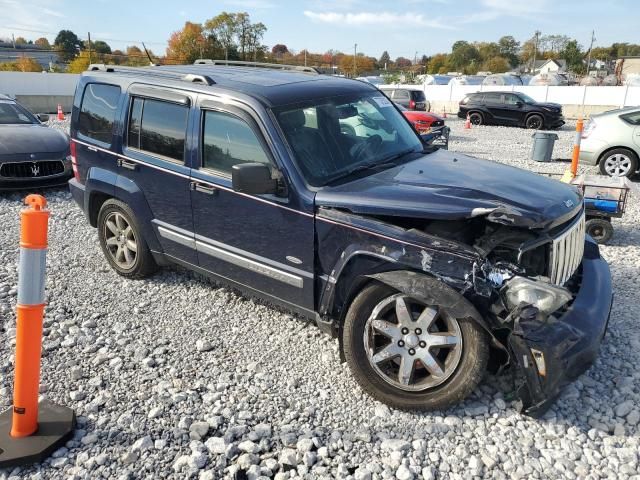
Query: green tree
[(464, 57), (574, 56), (68, 44), (385, 60), (42, 43), (100, 47), (21, 41), (487, 50), (509, 48), (223, 29), (279, 50)]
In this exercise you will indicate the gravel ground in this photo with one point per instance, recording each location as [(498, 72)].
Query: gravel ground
[(175, 377)]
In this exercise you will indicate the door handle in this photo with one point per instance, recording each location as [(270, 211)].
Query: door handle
[(92, 149), (124, 163), (202, 188)]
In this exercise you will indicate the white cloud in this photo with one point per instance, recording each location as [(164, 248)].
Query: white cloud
[(28, 19), (376, 18), (516, 8)]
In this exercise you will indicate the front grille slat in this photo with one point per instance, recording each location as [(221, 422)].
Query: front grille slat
[(32, 169), (567, 251)]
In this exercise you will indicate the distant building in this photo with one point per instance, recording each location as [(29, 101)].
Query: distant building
[(46, 58), (552, 65)]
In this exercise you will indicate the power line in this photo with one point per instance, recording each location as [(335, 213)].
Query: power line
[(19, 29)]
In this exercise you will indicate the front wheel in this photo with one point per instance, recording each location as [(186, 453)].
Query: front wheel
[(534, 122), (410, 355), (599, 229)]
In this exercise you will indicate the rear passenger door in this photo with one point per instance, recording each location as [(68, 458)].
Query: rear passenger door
[(493, 104), (258, 241), (155, 158), (513, 109)]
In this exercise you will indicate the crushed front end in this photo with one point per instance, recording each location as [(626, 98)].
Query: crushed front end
[(553, 322)]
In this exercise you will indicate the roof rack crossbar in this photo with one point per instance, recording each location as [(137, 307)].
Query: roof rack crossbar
[(94, 67), (239, 63)]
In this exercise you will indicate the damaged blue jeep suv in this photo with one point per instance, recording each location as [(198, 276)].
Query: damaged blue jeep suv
[(314, 192)]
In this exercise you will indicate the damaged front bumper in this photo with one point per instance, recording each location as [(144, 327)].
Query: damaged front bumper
[(555, 352)]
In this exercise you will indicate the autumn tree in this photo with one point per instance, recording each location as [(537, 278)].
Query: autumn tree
[(362, 64), (438, 63), (23, 64), (496, 64), (42, 43), (135, 57), (81, 62), (187, 44), (402, 62), (21, 41)]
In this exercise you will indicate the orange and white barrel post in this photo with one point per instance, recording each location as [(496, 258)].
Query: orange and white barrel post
[(570, 174), (25, 442)]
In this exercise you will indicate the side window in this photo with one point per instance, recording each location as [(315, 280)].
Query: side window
[(158, 127), (98, 111), (401, 95), (493, 98), (228, 140), (632, 118), (511, 99)]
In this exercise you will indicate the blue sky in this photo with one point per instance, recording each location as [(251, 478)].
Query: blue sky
[(403, 27)]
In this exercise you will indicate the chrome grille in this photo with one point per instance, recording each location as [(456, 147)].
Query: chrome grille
[(32, 169), (567, 250)]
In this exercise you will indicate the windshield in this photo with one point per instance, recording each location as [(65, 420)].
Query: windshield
[(331, 138), (10, 113), (526, 98)]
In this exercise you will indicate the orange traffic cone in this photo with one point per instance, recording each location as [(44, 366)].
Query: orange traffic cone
[(60, 114), (467, 122)]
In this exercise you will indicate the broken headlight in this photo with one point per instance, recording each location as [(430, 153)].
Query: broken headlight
[(545, 297)]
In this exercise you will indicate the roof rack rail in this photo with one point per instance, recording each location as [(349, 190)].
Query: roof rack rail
[(239, 63), (198, 79), (94, 67)]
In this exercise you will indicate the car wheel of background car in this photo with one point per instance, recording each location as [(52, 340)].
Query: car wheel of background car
[(600, 229), (476, 118), (121, 241), (619, 162), (535, 122), (411, 355)]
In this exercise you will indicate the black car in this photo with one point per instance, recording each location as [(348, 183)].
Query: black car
[(430, 266), (31, 154), (510, 108), (409, 98)]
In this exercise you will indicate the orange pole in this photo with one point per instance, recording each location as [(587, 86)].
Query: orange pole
[(31, 277), (576, 147)]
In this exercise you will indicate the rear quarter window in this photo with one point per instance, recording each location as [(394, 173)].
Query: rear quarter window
[(98, 111), (417, 96), (632, 118)]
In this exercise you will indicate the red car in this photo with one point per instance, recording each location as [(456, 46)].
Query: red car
[(423, 122)]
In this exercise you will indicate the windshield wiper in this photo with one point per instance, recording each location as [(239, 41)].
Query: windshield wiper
[(385, 162)]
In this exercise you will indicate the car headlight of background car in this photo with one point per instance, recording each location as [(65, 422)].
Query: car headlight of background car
[(545, 297)]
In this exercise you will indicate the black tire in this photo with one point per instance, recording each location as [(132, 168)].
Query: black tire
[(476, 118), (600, 229), (143, 264), (621, 153), (535, 122), (464, 379)]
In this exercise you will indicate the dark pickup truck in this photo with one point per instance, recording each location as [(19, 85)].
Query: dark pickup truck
[(429, 266)]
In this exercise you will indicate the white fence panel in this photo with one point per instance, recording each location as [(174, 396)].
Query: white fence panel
[(632, 96), (604, 96), (36, 83), (537, 92), (566, 95)]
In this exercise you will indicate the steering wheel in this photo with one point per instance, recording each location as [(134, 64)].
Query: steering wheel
[(371, 144)]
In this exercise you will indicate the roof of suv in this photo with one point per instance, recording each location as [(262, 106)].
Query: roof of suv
[(273, 87)]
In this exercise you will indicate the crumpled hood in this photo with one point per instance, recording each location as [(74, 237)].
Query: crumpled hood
[(23, 139), (449, 185)]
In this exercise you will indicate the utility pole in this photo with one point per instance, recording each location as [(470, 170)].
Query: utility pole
[(305, 57), (415, 58), (13, 40), (593, 39), (355, 53), (89, 40), (535, 52)]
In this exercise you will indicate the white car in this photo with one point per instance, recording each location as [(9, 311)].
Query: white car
[(611, 140)]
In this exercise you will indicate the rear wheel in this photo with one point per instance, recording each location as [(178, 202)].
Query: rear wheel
[(535, 122), (411, 355), (122, 242), (600, 229), (619, 162), (476, 118)]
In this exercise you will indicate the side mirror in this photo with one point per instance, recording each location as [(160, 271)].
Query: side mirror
[(43, 117), (253, 178), (519, 104)]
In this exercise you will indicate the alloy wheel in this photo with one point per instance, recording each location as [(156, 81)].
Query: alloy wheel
[(120, 240), (412, 346), (617, 165)]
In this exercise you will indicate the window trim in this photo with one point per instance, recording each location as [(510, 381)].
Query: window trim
[(158, 156), (210, 107), (86, 138)]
